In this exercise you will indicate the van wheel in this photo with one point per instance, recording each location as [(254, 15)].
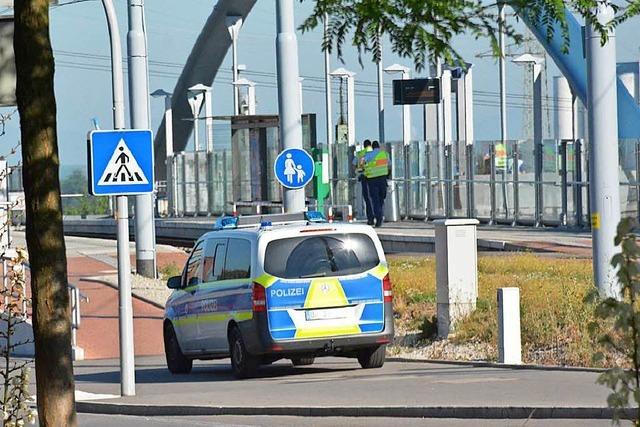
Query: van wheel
[(177, 362), (372, 357), (243, 364), (303, 361)]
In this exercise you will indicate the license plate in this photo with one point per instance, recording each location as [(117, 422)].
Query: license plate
[(327, 313)]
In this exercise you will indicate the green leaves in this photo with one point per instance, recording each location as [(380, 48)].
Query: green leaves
[(423, 30), (622, 316)]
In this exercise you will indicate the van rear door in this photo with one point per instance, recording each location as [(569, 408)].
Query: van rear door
[(323, 285)]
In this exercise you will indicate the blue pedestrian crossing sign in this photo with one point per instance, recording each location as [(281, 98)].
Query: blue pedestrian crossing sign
[(294, 168), (120, 162)]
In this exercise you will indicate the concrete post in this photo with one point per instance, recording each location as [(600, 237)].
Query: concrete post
[(563, 109), (328, 114), (139, 106), (603, 154), (456, 271), (503, 77), (234, 23), (380, 75), (208, 119), (509, 343), (125, 306), (537, 141), (288, 93), (351, 110)]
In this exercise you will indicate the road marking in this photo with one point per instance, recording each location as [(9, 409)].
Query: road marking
[(83, 396)]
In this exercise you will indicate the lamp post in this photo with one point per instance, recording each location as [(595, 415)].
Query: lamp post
[(535, 63), (170, 161), (348, 76), (234, 23), (406, 109)]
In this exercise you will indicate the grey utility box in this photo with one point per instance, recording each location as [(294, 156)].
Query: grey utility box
[(456, 271)]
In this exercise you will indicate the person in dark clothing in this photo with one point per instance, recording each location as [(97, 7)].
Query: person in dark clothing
[(376, 170)]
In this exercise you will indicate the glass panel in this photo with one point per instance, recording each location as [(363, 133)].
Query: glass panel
[(482, 178), (436, 179), (526, 181), (628, 178), (189, 176), (552, 181)]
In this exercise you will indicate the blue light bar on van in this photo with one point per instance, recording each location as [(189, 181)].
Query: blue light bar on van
[(226, 223), (315, 216)]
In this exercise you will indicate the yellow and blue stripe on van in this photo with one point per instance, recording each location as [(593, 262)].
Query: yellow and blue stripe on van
[(289, 299)]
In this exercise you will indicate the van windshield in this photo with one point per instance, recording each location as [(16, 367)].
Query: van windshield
[(320, 256)]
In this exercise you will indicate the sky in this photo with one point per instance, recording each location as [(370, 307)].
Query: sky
[(83, 82)]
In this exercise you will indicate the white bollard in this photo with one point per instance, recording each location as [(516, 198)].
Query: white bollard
[(509, 343)]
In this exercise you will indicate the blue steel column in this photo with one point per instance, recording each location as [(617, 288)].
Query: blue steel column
[(603, 152)]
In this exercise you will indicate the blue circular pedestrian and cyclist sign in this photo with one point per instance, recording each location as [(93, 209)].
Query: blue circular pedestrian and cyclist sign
[(294, 168)]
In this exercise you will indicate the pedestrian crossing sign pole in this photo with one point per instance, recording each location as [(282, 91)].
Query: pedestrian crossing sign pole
[(120, 162)]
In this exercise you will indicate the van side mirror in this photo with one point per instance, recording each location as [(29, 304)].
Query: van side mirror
[(174, 282)]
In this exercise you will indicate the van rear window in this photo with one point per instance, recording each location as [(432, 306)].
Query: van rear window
[(320, 256)]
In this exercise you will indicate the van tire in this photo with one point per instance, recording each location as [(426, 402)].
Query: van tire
[(243, 364), (303, 361), (177, 362), (373, 357)]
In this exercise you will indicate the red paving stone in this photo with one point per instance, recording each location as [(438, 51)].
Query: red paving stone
[(98, 333)]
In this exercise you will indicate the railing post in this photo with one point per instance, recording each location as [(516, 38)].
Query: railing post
[(470, 185), (577, 178), (516, 185), (492, 183), (563, 182)]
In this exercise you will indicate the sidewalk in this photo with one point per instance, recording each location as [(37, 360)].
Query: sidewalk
[(339, 387)]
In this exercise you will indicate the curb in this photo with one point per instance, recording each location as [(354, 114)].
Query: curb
[(483, 364), (467, 412), (111, 285)]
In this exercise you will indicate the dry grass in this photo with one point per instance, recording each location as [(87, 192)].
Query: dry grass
[(554, 318)]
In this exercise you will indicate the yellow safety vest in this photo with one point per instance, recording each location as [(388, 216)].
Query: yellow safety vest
[(359, 156), (378, 166), (501, 156)]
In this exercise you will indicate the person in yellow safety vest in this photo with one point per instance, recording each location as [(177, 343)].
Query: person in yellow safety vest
[(501, 157), (376, 171), (358, 162)]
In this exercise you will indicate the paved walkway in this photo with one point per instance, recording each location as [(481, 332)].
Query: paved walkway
[(410, 388)]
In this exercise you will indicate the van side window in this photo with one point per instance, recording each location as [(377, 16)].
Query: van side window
[(238, 262), (193, 266), (213, 263)]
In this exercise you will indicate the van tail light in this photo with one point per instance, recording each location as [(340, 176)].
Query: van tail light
[(259, 298), (387, 291)]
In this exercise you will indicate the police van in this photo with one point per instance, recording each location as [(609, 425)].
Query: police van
[(262, 288)]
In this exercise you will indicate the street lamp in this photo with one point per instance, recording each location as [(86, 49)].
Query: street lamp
[(347, 76), (234, 23), (172, 189), (406, 109), (251, 95), (535, 63), (196, 95)]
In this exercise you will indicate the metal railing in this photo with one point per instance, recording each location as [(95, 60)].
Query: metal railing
[(75, 297)]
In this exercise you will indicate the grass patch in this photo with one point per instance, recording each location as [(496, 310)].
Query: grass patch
[(169, 270), (554, 316)]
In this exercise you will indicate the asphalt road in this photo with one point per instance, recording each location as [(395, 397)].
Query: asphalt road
[(87, 420), (339, 382)]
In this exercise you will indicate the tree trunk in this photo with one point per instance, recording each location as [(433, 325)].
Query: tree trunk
[(45, 238)]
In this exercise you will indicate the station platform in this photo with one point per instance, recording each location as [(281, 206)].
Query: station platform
[(396, 237)]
